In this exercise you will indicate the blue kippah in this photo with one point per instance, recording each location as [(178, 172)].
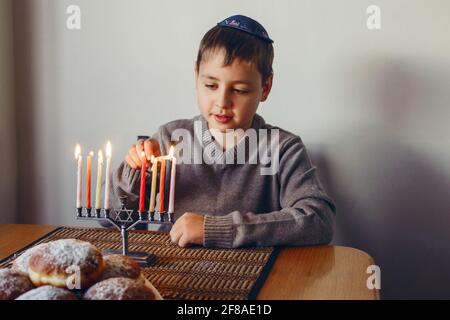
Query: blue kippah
[(246, 24)]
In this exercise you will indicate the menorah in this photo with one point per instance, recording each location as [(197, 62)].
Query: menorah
[(125, 218)]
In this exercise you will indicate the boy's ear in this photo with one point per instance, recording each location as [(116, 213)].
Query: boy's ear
[(266, 88)]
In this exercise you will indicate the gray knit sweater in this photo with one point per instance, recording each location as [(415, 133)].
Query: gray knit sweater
[(243, 206)]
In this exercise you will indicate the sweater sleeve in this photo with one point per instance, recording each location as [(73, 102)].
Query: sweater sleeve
[(126, 182), (306, 216)]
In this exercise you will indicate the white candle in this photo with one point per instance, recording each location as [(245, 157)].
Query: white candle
[(107, 178), (172, 181), (98, 188), (78, 157)]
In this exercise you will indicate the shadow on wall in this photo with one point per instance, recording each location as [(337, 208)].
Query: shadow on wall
[(26, 109), (392, 200), (37, 114)]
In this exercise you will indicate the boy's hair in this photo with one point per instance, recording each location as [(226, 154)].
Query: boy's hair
[(238, 44)]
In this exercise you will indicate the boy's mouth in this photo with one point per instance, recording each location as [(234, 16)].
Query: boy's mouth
[(222, 119)]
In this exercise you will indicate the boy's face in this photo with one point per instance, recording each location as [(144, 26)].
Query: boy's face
[(228, 96)]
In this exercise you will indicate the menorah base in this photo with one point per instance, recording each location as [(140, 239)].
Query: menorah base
[(144, 259)]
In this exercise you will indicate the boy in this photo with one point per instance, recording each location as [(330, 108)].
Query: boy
[(228, 204)]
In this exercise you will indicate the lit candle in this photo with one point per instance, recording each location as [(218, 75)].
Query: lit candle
[(143, 181), (88, 179), (172, 180), (98, 188), (78, 157), (162, 177), (153, 189), (107, 178)]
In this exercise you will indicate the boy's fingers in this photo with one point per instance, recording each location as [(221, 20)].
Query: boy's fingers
[(174, 228), (183, 242), (156, 150), (148, 149), (139, 148), (153, 147), (134, 156), (175, 235), (130, 162)]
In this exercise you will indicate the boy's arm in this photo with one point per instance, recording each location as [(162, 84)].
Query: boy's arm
[(125, 182), (306, 217)]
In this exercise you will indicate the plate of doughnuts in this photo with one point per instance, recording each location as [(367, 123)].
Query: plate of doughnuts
[(71, 269)]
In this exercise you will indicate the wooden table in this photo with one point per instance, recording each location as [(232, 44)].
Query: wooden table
[(322, 272)]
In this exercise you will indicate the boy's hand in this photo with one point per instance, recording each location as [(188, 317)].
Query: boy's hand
[(149, 146), (188, 229)]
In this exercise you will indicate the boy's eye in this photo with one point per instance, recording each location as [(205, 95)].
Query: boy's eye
[(210, 86), (240, 91)]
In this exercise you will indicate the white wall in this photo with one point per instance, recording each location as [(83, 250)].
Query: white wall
[(8, 166), (372, 106)]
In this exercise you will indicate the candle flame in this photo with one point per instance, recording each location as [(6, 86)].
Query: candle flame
[(77, 151), (171, 151), (91, 154), (108, 149), (100, 156), (142, 154)]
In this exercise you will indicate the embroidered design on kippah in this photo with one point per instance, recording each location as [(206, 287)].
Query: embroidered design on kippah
[(233, 23), (246, 24)]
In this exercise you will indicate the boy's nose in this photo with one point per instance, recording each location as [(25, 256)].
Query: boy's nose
[(223, 100)]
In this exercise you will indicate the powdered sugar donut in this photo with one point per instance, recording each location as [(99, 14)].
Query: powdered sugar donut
[(13, 284), (117, 265), (48, 293), (119, 289), (21, 263), (66, 261)]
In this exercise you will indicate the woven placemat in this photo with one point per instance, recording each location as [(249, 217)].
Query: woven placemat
[(182, 273)]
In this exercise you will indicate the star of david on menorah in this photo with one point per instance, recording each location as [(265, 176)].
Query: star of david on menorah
[(123, 218)]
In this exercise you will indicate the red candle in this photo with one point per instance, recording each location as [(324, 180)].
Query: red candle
[(88, 179), (162, 178), (143, 180)]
